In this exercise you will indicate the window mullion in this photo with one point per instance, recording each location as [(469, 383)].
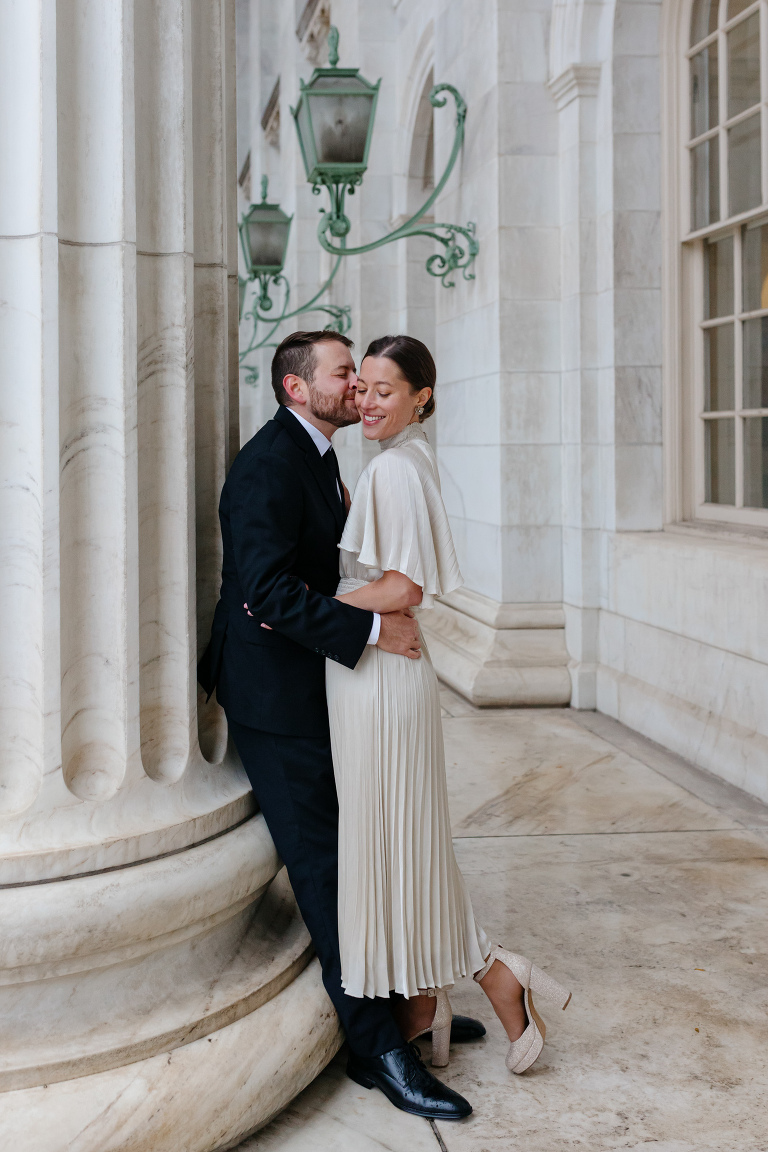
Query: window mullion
[(764, 98), (722, 114), (697, 391), (738, 358)]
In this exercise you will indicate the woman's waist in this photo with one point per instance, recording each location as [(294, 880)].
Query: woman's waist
[(350, 584)]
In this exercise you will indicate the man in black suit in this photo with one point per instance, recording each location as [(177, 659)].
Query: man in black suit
[(282, 513)]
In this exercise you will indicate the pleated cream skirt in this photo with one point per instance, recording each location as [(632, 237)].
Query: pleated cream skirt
[(405, 917)]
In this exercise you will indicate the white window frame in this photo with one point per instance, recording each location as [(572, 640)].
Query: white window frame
[(683, 271)]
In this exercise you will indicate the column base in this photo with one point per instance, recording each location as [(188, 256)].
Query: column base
[(204, 1096), (171, 1004), (499, 655)]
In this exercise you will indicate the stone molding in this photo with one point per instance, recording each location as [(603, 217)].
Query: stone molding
[(107, 918), (497, 654), (104, 970), (270, 119), (205, 810), (505, 615), (207, 1094), (576, 80), (312, 30)]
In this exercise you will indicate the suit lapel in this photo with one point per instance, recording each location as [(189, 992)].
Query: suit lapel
[(314, 460)]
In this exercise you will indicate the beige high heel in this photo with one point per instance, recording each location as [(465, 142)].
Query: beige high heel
[(527, 1048), (440, 1027)]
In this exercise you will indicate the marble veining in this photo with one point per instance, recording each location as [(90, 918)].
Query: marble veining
[(204, 1095), (156, 985), (636, 881), (157, 1002)]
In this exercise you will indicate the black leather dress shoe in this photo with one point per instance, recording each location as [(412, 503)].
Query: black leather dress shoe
[(405, 1081), (463, 1029)]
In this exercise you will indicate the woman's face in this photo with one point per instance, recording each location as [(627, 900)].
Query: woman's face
[(384, 398)]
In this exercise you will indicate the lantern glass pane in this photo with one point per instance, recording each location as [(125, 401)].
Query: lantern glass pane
[(340, 119), (304, 127), (267, 242)]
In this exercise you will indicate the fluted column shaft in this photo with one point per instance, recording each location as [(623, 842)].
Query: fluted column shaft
[(27, 363), (215, 417), (165, 384), (98, 388)]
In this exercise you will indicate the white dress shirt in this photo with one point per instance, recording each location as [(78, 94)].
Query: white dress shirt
[(322, 443)]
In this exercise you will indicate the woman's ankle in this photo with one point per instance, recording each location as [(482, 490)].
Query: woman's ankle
[(414, 1015)]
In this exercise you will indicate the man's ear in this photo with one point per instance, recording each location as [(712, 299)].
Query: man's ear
[(296, 388)]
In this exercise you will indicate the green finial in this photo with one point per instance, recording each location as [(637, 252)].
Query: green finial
[(333, 46), (264, 186)]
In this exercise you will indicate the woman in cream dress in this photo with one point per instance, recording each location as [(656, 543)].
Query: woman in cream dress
[(406, 923)]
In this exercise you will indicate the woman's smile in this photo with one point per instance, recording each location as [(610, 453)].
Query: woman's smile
[(386, 401)]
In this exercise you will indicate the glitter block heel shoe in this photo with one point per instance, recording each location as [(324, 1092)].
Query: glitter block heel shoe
[(527, 1048), (440, 1028)]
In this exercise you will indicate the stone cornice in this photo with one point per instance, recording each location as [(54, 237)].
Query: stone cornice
[(576, 80)]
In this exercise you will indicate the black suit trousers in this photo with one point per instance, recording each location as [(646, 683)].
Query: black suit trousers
[(292, 779)]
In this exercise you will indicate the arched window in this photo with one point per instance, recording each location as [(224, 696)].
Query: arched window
[(727, 158)]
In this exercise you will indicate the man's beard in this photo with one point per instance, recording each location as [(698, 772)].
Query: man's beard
[(332, 409)]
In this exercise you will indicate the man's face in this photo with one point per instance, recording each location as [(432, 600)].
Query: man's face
[(332, 392)]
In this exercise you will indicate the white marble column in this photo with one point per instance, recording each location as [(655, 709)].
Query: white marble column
[(157, 989), (575, 91), (501, 640)]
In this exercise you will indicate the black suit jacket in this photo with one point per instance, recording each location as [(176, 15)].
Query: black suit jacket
[(281, 522)]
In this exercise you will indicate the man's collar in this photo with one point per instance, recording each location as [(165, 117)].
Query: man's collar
[(321, 442)]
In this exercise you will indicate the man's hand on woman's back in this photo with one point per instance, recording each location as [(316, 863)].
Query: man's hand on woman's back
[(400, 634)]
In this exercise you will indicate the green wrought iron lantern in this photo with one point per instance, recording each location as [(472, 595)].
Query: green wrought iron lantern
[(264, 232), (334, 120)]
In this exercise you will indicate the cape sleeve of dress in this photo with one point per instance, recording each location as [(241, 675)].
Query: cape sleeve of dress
[(398, 523)]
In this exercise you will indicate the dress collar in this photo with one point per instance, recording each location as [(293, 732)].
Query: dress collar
[(410, 432)]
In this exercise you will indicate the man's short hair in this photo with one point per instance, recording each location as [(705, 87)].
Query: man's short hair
[(295, 356)]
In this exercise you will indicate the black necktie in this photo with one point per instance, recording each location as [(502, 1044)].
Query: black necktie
[(332, 464)]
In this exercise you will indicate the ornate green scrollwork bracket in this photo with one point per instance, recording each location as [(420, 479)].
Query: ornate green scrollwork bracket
[(340, 315), (459, 244)]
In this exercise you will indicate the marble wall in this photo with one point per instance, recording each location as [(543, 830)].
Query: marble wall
[(495, 338), (146, 922), (555, 384)]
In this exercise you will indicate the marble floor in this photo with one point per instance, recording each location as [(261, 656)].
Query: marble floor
[(639, 881)]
